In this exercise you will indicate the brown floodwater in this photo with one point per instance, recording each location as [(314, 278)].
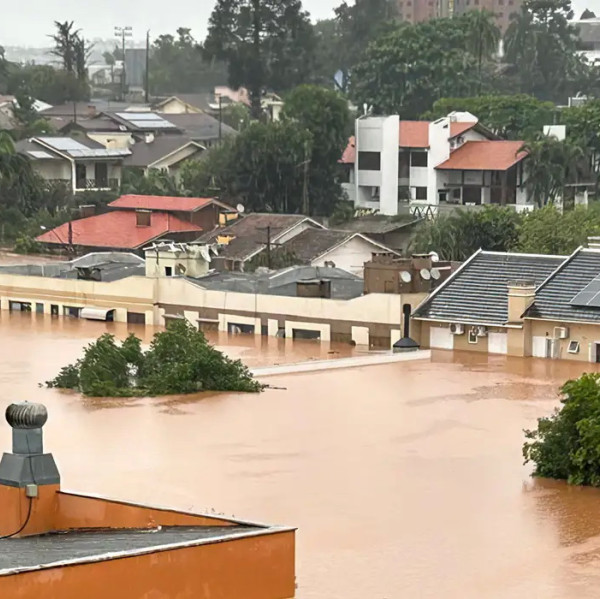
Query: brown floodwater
[(405, 480)]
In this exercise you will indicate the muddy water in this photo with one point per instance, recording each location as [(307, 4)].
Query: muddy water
[(405, 480)]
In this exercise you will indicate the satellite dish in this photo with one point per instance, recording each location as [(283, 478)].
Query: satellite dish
[(406, 276), (240, 208), (435, 274), (180, 269), (434, 256), (425, 274)]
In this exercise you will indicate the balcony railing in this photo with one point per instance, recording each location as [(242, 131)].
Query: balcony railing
[(88, 184)]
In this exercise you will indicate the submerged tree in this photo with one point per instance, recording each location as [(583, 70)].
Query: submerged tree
[(180, 360), (566, 445)]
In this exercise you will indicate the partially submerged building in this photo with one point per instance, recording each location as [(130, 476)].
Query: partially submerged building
[(323, 302), (519, 305), (57, 544)]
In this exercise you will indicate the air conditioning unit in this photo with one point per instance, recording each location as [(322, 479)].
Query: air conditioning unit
[(561, 332), (457, 329), (481, 331)]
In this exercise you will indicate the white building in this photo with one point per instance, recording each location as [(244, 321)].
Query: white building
[(453, 160)]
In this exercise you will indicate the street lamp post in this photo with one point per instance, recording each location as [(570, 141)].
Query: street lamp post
[(123, 32)]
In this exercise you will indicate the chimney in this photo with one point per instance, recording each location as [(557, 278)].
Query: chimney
[(406, 343), (143, 218), (521, 294), (29, 478), (86, 210), (149, 137), (594, 243)]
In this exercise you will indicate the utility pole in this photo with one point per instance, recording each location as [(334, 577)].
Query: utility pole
[(220, 119), (269, 245), (147, 91), (123, 32)]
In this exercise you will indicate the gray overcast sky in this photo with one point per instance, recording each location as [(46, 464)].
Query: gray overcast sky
[(29, 24)]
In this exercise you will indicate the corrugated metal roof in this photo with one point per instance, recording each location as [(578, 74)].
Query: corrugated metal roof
[(478, 291), (552, 301)]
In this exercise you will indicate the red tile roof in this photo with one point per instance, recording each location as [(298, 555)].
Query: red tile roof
[(459, 128), (414, 134), (485, 156), (164, 203), (117, 229), (349, 155)]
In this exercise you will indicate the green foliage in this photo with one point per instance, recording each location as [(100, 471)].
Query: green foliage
[(461, 233), (566, 445), (179, 64), (551, 164), (180, 360), (267, 44), (325, 115), (341, 41), (541, 43), (547, 231), (236, 115), (407, 69), (516, 116), (262, 167)]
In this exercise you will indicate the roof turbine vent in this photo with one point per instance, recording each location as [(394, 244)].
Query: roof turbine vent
[(25, 415)]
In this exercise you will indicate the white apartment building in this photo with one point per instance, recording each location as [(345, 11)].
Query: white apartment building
[(454, 160)]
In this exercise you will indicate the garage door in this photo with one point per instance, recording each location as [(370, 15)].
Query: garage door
[(497, 343), (441, 338), (539, 347)]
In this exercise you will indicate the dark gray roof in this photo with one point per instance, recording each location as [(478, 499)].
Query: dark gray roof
[(478, 293), (200, 126), (144, 154), (312, 243), (103, 266), (377, 224), (89, 109), (344, 285), (250, 232), (90, 545), (552, 300)]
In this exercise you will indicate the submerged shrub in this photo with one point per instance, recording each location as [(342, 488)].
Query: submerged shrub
[(180, 360)]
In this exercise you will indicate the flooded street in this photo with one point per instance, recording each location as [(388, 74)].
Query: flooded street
[(404, 480)]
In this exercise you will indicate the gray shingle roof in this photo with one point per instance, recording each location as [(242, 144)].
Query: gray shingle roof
[(552, 300), (199, 126), (312, 243), (44, 550), (477, 292), (250, 233), (144, 154)]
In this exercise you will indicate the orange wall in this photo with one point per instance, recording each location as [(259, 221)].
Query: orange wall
[(75, 511), (14, 506), (253, 568)]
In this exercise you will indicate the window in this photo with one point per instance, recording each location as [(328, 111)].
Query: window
[(369, 161), (168, 271), (39, 308), (574, 347), (473, 335), (418, 158), (420, 193)]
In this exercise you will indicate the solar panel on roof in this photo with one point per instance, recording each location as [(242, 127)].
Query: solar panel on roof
[(39, 154), (589, 296), (63, 143), (138, 116)]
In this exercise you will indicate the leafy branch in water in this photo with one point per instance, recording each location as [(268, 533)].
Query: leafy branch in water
[(180, 360), (566, 445)]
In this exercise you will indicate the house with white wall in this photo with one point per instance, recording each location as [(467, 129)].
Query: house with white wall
[(83, 165), (453, 160)]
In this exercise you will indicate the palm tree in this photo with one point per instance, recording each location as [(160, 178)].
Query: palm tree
[(483, 37), (551, 165)]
